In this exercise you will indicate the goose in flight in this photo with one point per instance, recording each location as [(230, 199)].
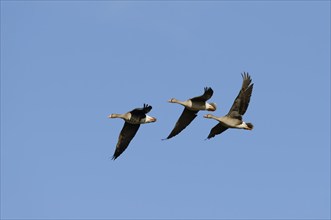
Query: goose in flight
[(192, 106), (132, 119), (234, 117)]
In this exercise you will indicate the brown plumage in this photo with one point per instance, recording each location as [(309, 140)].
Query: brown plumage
[(234, 117), (132, 119), (192, 107)]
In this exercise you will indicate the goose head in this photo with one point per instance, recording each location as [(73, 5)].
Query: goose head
[(173, 100), (112, 116), (125, 116), (183, 103), (209, 116)]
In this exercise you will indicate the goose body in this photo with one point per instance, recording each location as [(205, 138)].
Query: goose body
[(195, 105), (132, 119), (191, 108), (234, 117)]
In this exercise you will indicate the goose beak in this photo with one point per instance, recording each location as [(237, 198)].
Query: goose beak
[(153, 119), (110, 116)]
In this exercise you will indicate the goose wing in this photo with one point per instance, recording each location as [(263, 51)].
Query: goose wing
[(127, 133), (138, 114), (142, 111), (241, 102), (184, 120), (205, 96), (147, 108), (217, 129)]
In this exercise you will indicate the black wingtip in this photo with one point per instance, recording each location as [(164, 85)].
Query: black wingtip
[(147, 108), (167, 138), (208, 88), (245, 75), (115, 155)]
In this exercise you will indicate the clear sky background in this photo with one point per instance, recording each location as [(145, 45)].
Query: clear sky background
[(66, 65)]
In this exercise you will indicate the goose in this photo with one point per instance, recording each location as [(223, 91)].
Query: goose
[(234, 117), (192, 107), (132, 119)]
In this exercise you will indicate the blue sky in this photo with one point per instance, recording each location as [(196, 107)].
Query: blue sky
[(66, 65)]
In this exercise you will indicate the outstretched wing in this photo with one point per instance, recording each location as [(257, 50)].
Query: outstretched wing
[(142, 111), (241, 102), (217, 129), (206, 95), (184, 120), (127, 133), (147, 108)]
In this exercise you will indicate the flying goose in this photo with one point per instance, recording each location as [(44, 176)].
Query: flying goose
[(192, 106), (132, 119), (234, 118)]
